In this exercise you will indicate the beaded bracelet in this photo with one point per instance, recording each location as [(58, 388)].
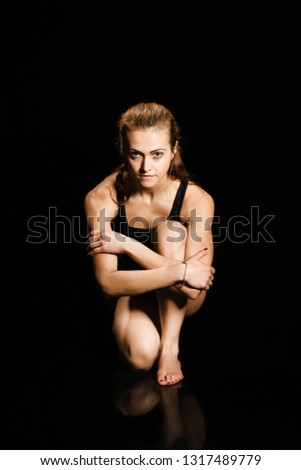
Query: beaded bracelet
[(184, 276)]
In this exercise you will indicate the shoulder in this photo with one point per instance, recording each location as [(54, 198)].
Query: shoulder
[(198, 198), (103, 195)]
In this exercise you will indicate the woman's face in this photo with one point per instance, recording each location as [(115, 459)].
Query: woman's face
[(150, 155)]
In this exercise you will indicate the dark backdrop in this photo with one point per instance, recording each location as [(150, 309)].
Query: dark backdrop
[(229, 75)]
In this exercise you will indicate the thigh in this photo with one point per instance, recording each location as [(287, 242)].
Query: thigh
[(136, 320)]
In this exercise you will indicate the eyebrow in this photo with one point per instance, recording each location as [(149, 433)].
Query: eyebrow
[(152, 151)]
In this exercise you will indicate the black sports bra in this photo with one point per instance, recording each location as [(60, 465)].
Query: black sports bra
[(144, 235), (119, 223)]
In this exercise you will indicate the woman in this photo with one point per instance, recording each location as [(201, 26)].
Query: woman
[(151, 241)]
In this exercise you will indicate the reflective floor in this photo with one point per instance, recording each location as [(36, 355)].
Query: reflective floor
[(78, 395)]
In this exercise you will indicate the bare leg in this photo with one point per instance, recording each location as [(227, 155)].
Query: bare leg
[(135, 328), (172, 307)]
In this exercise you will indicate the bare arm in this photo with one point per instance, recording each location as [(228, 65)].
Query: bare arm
[(199, 231), (118, 283), (199, 237), (100, 242)]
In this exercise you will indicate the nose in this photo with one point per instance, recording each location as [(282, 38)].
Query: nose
[(145, 165)]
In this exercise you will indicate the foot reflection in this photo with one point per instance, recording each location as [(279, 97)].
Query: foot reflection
[(180, 417)]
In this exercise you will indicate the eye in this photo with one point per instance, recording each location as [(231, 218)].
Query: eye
[(134, 155), (158, 155)]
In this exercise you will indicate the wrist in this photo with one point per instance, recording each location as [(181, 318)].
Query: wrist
[(181, 269), (128, 246), (183, 283)]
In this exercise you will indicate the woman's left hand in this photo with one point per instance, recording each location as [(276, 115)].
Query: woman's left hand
[(106, 242)]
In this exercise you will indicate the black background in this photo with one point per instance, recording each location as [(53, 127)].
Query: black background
[(229, 74)]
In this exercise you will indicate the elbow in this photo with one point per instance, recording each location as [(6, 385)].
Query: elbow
[(106, 294), (107, 291), (193, 294), (106, 288)]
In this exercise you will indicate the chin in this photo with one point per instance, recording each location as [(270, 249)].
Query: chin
[(147, 181)]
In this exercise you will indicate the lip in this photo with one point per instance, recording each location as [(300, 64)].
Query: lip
[(146, 176)]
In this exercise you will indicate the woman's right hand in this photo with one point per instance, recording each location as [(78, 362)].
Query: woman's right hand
[(106, 242), (199, 275)]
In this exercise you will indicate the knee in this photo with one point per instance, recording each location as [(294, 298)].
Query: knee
[(171, 237), (142, 357)]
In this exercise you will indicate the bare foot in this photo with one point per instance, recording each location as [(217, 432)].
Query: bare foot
[(169, 369)]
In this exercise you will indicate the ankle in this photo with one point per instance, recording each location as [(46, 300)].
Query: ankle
[(169, 349)]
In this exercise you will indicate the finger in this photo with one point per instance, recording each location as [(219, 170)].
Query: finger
[(94, 238), (96, 244), (94, 251), (89, 238), (90, 252), (90, 246), (200, 254)]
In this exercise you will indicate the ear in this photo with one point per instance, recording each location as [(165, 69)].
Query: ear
[(174, 151)]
